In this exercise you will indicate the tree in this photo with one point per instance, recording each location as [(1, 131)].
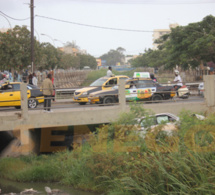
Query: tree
[(50, 56), (87, 60), (192, 44), (72, 45), (15, 48), (186, 46), (151, 58), (114, 56), (69, 61)]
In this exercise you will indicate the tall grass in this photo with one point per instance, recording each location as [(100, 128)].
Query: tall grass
[(115, 160)]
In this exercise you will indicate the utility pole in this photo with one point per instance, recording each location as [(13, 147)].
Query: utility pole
[(32, 36)]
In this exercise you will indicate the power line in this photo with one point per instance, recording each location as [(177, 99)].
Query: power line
[(150, 2), (93, 26), (14, 18)]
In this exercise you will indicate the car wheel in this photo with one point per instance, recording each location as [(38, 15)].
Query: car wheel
[(108, 100), (185, 97), (32, 103), (82, 103), (157, 98)]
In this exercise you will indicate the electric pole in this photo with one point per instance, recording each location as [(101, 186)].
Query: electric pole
[(32, 36)]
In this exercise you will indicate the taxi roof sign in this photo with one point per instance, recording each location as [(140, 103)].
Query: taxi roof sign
[(141, 75)]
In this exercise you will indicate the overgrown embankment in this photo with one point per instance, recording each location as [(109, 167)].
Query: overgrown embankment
[(116, 160)]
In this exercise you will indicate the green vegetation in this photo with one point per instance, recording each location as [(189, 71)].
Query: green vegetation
[(186, 46), (115, 160), (15, 52), (113, 57)]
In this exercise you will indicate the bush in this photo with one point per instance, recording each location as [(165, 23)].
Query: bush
[(115, 160)]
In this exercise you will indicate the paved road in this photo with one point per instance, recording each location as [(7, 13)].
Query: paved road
[(69, 103)]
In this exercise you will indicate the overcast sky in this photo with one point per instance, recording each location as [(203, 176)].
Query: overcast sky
[(98, 26)]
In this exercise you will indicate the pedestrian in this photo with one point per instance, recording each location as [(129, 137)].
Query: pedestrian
[(47, 89), (1, 76), (109, 72), (53, 95), (25, 76), (30, 77), (15, 75), (34, 79)]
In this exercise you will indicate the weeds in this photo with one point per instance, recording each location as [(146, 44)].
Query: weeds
[(115, 160)]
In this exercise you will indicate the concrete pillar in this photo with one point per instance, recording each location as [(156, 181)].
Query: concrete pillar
[(24, 100), (209, 87), (23, 144), (27, 143), (122, 100)]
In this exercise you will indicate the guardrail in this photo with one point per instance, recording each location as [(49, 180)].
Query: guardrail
[(64, 93)]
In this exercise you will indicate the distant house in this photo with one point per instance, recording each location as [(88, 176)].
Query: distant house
[(160, 32)]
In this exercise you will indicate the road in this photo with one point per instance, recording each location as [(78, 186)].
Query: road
[(69, 103)]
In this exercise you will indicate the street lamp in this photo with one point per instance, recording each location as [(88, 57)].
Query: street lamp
[(49, 37), (59, 41)]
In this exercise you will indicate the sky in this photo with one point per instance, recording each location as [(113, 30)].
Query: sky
[(98, 26)]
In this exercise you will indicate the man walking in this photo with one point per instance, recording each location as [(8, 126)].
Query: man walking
[(47, 88)]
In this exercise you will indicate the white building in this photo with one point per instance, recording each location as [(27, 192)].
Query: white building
[(160, 32)]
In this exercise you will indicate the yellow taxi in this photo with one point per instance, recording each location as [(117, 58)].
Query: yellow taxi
[(10, 95), (103, 83)]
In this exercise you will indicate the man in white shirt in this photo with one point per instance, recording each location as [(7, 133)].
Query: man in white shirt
[(109, 72), (34, 79), (177, 80)]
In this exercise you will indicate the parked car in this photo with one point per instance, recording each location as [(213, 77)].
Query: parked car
[(137, 89), (168, 119), (10, 95), (103, 83)]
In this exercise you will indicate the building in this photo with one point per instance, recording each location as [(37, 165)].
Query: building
[(3, 30), (160, 32), (129, 57), (72, 50)]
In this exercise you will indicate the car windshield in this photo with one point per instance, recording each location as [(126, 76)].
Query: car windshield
[(98, 82), (162, 119)]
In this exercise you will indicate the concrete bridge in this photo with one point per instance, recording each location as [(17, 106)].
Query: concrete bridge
[(24, 124)]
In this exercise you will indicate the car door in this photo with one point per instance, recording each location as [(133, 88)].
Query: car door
[(109, 83), (131, 92), (16, 94), (7, 95), (145, 89)]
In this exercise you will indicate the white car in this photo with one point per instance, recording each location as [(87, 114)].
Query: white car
[(151, 122), (201, 89)]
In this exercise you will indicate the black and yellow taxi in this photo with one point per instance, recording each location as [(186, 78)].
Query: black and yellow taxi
[(10, 95), (103, 83), (140, 87)]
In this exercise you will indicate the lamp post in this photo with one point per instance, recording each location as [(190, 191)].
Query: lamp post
[(59, 41), (49, 37), (32, 35)]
